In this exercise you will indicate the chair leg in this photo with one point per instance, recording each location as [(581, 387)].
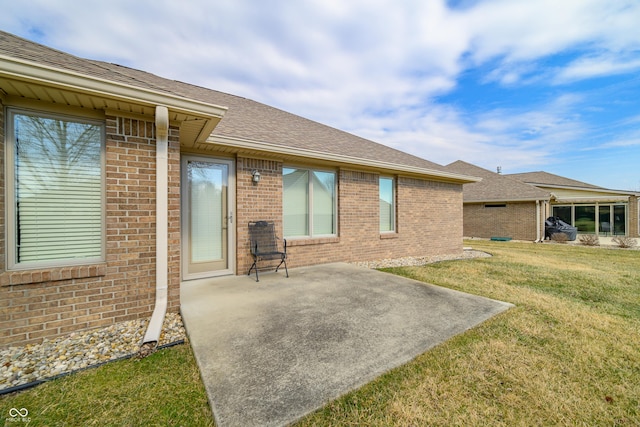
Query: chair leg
[(283, 261), (252, 267)]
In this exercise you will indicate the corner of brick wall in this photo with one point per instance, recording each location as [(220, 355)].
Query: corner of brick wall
[(53, 302)]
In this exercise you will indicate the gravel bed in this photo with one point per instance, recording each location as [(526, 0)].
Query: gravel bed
[(416, 261), (33, 362)]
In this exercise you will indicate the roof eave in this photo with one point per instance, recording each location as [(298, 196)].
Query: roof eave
[(36, 73), (576, 187), (506, 200), (272, 148)]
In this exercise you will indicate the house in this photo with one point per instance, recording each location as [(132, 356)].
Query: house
[(119, 187), (502, 206), (592, 209), (516, 205)]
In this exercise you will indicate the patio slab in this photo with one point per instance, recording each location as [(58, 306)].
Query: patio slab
[(271, 352)]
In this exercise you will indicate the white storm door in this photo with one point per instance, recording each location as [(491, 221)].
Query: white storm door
[(207, 217)]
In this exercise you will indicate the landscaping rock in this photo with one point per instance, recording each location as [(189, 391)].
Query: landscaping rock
[(416, 261), (79, 350)]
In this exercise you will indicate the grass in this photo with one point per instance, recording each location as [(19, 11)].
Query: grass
[(567, 354), (163, 389)]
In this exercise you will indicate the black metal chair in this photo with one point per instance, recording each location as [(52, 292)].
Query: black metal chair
[(264, 245)]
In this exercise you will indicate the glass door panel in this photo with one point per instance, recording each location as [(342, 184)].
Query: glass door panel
[(619, 220), (604, 214), (585, 219), (206, 216)]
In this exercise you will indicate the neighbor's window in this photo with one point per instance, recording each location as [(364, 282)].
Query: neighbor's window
[(309, 203), (387, 204), (607, 219), (564, 213), (55, 190)]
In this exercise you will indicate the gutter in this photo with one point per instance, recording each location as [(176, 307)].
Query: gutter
[(538, 222), (162, 229), (23, 70)]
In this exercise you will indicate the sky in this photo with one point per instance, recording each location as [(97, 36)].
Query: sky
[(550, 85)]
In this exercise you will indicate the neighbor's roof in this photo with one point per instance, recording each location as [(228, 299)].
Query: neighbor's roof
[(495, 187), (541, 178), (245, 126)]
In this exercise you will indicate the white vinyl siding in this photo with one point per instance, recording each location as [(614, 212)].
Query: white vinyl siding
[(55, 165), (309, 203), (387, 205)]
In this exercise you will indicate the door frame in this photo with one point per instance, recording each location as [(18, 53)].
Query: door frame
[(184, 217)]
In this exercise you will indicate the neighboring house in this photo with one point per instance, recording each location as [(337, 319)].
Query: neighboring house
[(500, 206), (119, 186), (592, 209), (516, 205)]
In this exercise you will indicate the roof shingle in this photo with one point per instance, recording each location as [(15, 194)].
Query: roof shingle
[(494, 186), (546, 178)]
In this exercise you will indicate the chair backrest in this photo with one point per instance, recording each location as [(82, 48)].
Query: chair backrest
[(262, 235)]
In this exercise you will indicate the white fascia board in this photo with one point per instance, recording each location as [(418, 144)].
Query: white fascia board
[(337, 158), (609, 199), (595, 190), (512, 200), (49, 76)]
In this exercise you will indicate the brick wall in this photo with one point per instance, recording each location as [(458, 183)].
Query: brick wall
[(429, 217), (516, 220), (255, 202), (54, 301)]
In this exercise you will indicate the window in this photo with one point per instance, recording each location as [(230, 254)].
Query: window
[(564, 213), (309, 203), (585, 218), (620, 220), (55, 190), (605, 218), (387, 205), (495, 205)]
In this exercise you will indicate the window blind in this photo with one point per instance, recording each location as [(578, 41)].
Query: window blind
[(295, 202), (58, 189)]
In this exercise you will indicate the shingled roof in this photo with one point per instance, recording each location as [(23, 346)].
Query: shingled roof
[(271, 129), (495, 187), (542, 178)]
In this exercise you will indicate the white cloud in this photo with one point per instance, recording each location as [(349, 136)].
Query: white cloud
[(598, 66), (372, 67)]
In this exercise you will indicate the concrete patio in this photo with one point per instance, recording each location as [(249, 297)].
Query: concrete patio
[(271, 352)]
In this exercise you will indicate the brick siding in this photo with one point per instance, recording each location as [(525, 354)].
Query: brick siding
[(429, 217), (55, 301), (515, 220), (634, 217)]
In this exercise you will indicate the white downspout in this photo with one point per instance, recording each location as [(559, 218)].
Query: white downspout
[(537, 221), (162, 230)]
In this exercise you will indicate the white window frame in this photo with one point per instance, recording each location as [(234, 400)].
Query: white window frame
[(393, 204), (10, 192), (597, 206), (310, 210)]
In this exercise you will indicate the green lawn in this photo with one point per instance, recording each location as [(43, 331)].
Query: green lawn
[(163, 389), (567, 354)]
